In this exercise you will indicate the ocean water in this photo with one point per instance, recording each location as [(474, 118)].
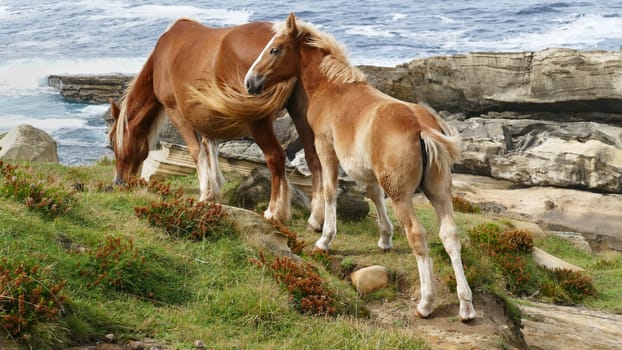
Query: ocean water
[(39, 38)]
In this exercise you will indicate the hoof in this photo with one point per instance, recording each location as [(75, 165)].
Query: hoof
[(322, 244), (467, 312), (421, 315)]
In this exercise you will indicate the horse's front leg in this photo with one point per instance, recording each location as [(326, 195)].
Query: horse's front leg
[(297, 108), (280, 195), (199, 152)]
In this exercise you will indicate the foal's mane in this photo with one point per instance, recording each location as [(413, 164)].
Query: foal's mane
[(336, 64)]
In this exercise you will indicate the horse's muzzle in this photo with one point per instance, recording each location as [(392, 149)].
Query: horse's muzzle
[(118, 180), (254, 84)]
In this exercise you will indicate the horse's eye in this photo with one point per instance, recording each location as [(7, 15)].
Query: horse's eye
[(275, 51)]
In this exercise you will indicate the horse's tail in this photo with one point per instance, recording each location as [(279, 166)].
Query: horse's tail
[(139, 101), (230, 108), (442, 144)]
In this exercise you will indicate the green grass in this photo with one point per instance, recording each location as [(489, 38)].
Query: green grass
[(205, 290)]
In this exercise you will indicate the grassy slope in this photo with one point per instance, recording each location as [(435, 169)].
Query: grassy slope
[(211, 292)]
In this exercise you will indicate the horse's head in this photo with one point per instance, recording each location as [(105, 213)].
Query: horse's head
[(129, 151), (279, 60)]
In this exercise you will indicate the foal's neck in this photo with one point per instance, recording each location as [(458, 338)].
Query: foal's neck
[(312, 79)]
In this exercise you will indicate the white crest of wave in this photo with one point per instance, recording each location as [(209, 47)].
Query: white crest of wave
[(584, 33), (370, 31), (120, 9), (48, 125)]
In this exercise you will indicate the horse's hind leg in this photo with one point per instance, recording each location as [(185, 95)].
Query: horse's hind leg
[(280, 195), (375, 192), (437, 187), (416, 235)]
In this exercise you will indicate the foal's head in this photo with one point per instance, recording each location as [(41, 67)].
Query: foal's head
[(129, 151), (279, 60)]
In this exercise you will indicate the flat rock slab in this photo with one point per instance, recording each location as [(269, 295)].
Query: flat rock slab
[(553, 327), (598, 217)]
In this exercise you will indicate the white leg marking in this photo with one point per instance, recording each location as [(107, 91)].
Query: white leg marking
[(424, 264), (451, 241)]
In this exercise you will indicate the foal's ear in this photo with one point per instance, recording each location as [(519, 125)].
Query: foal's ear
[(291, 25), (114, 109)]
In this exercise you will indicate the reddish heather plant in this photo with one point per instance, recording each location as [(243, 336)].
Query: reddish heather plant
[(26, 298), (305, 286), (187, 218)]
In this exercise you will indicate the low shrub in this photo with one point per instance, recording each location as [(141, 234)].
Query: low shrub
[(307, 292), (118, 265), (40, 195), (462, 205), (293, 243), (28, 298), (187, 218), (510, 251)]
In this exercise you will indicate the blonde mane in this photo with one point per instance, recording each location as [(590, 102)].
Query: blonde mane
[(121, 122), (336, 64)]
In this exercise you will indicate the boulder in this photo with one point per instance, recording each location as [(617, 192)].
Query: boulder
[(370, 278), (255, 188), (25, 142)]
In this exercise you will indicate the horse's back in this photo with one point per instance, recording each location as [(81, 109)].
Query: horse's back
[(190, 53)]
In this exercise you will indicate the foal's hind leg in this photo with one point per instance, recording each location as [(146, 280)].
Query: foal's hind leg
[(375, 192), (416, 235), (280, 195), (438, 190)]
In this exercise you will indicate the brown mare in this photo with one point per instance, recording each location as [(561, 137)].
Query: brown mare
[(189, 77), (379, 141)]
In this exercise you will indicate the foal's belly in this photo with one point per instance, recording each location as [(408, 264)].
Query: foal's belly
[(358, 168)]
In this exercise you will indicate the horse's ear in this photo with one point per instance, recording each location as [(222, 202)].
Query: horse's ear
[(114, 109), (291, 25)]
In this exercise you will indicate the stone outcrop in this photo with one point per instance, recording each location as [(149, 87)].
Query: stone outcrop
[(557, 80), (90, 88), (536, 152), (25, 142)]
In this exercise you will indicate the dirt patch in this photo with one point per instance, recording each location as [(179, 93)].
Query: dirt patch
[(492, 329)]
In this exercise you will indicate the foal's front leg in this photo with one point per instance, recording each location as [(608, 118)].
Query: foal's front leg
[(330, 173)]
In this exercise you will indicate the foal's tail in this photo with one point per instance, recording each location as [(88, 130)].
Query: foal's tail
[(441, 144)]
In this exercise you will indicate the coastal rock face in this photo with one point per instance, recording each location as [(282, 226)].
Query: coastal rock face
[(536, 152), (90, 88), (549, 80), (25, 142)]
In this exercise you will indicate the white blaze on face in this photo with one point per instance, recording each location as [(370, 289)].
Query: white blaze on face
[(252, 68)]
